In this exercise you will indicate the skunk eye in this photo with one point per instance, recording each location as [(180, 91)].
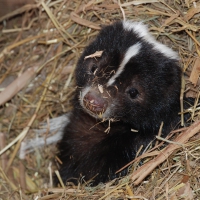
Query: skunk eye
[(133, 93), (93, 69)]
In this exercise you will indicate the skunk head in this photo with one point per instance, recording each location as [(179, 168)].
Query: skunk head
[(135, 80)]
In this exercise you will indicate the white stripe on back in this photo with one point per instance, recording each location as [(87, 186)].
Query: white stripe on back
[(142, 31)]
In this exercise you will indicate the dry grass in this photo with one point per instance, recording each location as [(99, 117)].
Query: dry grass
[(37, 59)]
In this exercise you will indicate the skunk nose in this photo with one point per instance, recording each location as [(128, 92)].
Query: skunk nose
[(95, 102)]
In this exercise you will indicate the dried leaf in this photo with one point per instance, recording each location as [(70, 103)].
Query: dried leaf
[(138, 2), (170, 19), (185, 192), (185, 179), (128, 189), (30, 183), (194, 10), (84, 22), (142, 172), (100, 87), (96, 54), (17, 85), (173, 197), (90, 3), (195, 72)]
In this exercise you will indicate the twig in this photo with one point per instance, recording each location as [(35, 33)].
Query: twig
[(17, 85), (146, 169)]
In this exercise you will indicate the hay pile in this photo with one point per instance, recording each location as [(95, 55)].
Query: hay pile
[(37, 58)]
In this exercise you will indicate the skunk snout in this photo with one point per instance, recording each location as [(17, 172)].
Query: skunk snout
[(95, 102)]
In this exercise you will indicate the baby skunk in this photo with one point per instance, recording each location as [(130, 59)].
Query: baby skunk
[(134, 84)]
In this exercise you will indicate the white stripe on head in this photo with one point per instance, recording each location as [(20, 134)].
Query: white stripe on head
[(142, 31), (132, 51)]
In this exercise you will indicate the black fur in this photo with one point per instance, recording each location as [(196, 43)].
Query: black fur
[(155, 79)]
